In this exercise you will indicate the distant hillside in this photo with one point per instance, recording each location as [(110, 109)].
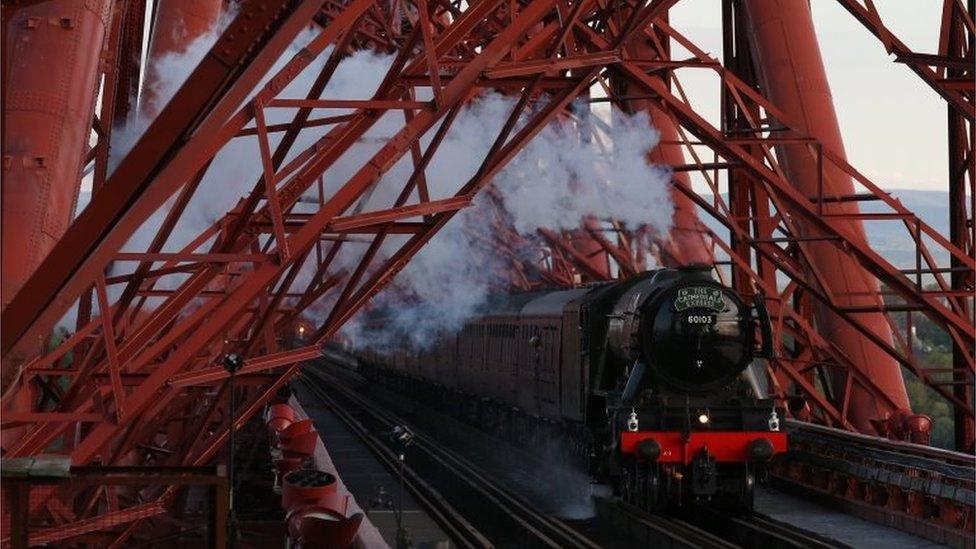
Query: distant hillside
[(890, 238)]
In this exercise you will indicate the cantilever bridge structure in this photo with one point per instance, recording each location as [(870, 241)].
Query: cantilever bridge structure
[(138, 380)]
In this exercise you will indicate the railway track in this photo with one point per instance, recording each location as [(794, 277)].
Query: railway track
[(655, 530), (448, 518), (758, 531), (754, 531), (451, 488), (504, 519), (497, 510)]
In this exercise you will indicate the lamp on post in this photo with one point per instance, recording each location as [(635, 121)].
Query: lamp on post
[(401, 437), (232, 363)]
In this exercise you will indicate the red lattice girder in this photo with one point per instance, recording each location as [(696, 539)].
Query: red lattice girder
[(142, 383)]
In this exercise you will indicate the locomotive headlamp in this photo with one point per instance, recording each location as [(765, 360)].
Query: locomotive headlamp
[(633, 424), (703, 418)]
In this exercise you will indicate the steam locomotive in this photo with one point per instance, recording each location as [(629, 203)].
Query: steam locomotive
[(637, 380)]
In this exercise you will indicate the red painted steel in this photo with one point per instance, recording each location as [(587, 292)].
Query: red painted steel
[(53, 52), (47, 120), (792, 74), (797, 363), (724, 446), (946, 69), (957, 41), (144, 384), (176, 25), (317, 510)]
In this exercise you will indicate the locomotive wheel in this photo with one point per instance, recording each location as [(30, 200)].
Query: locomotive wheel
[(740, 497), (747, 492), (671, 492), (654, 500), (640, 485)]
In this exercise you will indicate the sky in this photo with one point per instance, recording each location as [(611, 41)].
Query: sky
[(894, 125)]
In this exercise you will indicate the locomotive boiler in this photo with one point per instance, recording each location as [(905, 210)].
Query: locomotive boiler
[(638, 380)]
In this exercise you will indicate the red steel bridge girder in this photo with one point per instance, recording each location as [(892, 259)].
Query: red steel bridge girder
[(145, 385), (223, 312), (797, 204), (175, 26)]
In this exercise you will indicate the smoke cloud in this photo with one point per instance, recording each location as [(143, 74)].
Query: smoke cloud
[(555, 182), (569, 171)]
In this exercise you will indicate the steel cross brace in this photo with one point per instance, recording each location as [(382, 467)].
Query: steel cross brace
[(931, 68), (797, 204), (185, 344)]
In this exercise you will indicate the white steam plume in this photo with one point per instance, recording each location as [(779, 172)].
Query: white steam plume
[(558, 179), (555, 182)]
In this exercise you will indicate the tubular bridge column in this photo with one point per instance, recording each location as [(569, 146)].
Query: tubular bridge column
[(52, 71), (791, 72), (962, 205), (177, 23)]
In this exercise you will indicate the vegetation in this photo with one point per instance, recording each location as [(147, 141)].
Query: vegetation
[(927, 401), (933, 349)]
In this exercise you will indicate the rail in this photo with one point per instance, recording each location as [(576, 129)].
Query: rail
[(757, 531), (535, 528), (804, 429), (705, 527), (657, 530), (463, 533)]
